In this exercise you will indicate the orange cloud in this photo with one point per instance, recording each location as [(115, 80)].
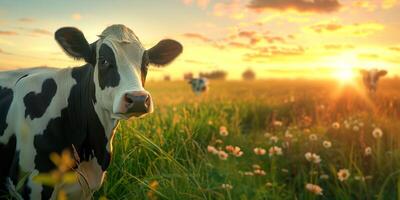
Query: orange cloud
[(273, 39), (187, 2), (373, 5), (254, 37), (274, 51), (247, 34), (76, 16), (338, 46), (233, 9), (395, 48), (318, 6), (41, 31), (26, 20), (239, 45), (35, 31), (8, 33), (201, 3), (197, 36), (326, 27), (368, 56), (356, 28), (4, 52), (197, 62)]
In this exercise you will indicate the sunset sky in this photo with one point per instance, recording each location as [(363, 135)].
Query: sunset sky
[(275, 38)]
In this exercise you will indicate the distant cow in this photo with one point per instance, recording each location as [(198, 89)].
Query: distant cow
[(45, 110), (199, 85), (371, 78)]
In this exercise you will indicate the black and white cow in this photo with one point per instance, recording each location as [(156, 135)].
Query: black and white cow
[(371, 78), (45, 110), (199, 85)]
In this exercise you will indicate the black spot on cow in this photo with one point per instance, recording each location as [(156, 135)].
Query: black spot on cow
[(78, 126), (144, 67), (26, 191), (37, 103), (14, 169), (6, 97), (7, 152), (15, 176), (107, 67)]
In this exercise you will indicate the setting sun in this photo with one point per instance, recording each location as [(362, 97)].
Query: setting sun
[(345, 76)]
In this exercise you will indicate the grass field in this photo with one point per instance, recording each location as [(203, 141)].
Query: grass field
[(313, 132)]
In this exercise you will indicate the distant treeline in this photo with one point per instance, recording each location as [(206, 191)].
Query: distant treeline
[(214, 75), (220, 75)]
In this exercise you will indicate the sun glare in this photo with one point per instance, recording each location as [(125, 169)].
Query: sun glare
[(344, 76)]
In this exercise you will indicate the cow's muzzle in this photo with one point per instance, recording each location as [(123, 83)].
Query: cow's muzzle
[(137, 103)]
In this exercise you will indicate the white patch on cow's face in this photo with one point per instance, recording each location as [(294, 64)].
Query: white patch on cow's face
[(128, 55)]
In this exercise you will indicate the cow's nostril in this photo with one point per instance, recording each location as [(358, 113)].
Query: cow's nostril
[(138, 103), (128, 98), (147, 102)]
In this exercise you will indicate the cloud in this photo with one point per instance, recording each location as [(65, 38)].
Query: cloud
[(273, 39), (197, 36), (317, 6), (239, 45), (8, 33), (233, 9), (247, 34), (368, 56), (41, 31), (197, 62), (187, 2), (338, 46), (201, 3), (360, 29), (255, 37), (274, 51), (395, 49), (252, 36), (26, 20), (76, 16), (386, 4), (326, 27), (302, 70), (5, 52), (373, 5), (35, 31)]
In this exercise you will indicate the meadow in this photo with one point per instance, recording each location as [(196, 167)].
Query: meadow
[(270, 139)]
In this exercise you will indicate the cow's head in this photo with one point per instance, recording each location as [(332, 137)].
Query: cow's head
[(120, 66), (371, 77), (199, 85)]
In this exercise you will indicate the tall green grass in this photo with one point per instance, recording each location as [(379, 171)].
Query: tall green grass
[(170, 145)]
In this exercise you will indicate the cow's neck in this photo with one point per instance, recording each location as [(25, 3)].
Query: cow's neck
[(88, 118)]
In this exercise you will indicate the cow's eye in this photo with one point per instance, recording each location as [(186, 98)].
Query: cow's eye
[(105, 63)]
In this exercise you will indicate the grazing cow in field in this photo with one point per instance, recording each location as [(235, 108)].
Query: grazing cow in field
[(46, 110), (371, 78), (199, 85)]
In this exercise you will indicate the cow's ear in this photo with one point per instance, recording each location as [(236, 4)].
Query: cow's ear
[(382, 73), (74, 43), (164, 52)]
